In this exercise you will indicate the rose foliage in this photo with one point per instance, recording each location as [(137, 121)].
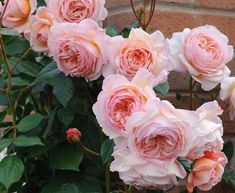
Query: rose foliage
[(83, 109)]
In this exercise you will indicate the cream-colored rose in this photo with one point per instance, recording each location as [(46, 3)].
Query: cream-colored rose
[(74, 11), (140, 50), (227, 92), (18, 13), (202, 52), (39, 28)]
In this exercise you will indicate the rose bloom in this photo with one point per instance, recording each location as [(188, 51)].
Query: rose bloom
[(18, 13), (207, 171), (40, 25), (160, 133), (202, 52), (209, 130), (227, 92), (140, 50), (120, 98), (138, 172), (77, 48), (74, 11)]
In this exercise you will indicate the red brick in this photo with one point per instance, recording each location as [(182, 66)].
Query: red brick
[(219, 4), (117, 3), (172, 19)]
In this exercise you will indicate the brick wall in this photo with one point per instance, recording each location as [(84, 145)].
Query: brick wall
[(174, 15)]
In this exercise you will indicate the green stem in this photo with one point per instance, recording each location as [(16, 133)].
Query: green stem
[(130, 189), (9, 87), (85, 149), (107, 178), (191, 86), (21, 58)]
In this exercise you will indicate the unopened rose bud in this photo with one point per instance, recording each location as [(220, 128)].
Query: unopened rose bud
[(73, 135)]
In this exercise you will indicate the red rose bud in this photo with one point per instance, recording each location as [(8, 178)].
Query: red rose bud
[(73, 135)]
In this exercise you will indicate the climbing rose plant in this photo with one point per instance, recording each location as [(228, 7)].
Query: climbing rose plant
[(83, 109)]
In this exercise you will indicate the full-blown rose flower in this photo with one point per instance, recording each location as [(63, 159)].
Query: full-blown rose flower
[(74, 11), (142, 174), (140, 50), (207, 171), (208, 131), (120, 98), (161, 133), (77, 48), (18, 13), (203, 52), (39, 28), (227, 92)]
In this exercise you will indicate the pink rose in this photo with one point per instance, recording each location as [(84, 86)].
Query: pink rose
[(227, 92), (74, 11), (202, 52), (161, 133), (18, 13), (208, 131), (138, 172), (140, 50), (77, 48), (119, 99), (207, 171), (39, 28)]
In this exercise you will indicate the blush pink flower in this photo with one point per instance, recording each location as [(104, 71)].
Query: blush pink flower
[(208, 131), (74, 11), (138, 172), (77, 48), (39, 28), (18, 13), (160, 133), (207, 171), (140, 50), (119, 99), (227, 92), (202, 52)]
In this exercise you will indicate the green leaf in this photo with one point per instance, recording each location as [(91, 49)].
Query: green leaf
[(51, 119), (107, 150), (111, 31), (4, 143), (66, 116), (162, 88), (63, 89), (114, 191), (126, 31), (28, 67), (228, 150), (185, 163), (2, 116), (11, 170), (30, 122), (26, 141), (19, 81), (50, 71), (68, 188), (66, 157), (15, 45), (9, 32)]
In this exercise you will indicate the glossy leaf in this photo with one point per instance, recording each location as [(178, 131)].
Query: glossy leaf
[(26, 141), (11, 170), (30, 122), (66, 157), (162, 88), (107, 150)]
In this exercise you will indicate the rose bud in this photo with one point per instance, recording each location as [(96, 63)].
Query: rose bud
[(73, 135)]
